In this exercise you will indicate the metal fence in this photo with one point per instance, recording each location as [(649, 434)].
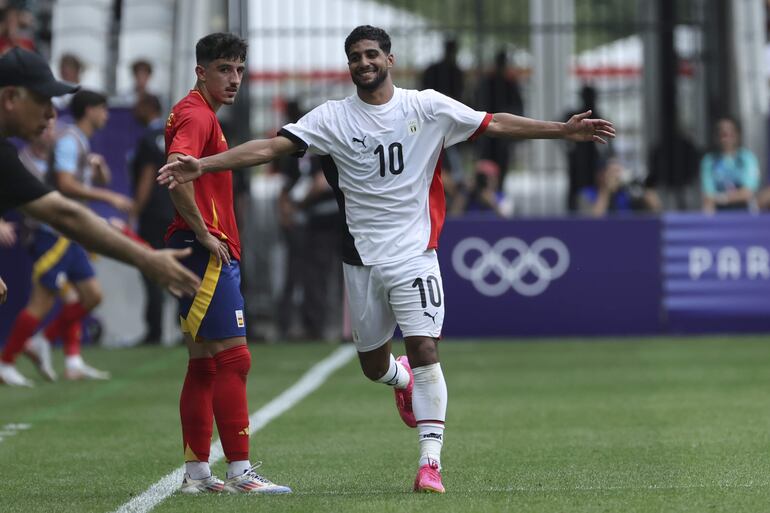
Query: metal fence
[(610, 45)]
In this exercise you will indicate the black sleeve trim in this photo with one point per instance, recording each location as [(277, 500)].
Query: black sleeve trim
[(296, 140)]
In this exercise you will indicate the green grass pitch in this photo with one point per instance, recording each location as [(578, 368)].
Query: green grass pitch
[(633, 425)]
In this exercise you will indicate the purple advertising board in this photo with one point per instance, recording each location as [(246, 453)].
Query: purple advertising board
[(716, 272), (551, 277)]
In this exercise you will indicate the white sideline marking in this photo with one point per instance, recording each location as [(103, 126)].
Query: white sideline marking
[(306, 385), (12, 429)]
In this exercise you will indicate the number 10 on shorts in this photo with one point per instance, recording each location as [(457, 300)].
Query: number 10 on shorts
[(434, 291)]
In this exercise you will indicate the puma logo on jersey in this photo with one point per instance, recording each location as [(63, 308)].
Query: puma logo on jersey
[(356, 139), (432, 317)]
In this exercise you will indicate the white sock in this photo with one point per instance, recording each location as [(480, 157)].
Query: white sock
[(75, 361), (396, 376), (429, 400), (197, 469), (237, 468)]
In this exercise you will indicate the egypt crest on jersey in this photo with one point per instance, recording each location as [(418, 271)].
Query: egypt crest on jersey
[(383, 163)]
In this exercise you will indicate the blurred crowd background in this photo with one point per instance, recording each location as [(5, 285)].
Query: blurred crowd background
[(684, 81)]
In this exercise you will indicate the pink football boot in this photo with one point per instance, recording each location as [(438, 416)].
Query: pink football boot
[(404, 396), (428, 479)]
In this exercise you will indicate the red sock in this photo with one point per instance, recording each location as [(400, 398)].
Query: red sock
[(195, 408), (69, 313), (231, 408), (23, 327), (71, 338)]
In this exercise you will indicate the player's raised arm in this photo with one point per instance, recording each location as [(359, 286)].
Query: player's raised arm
[(252, 153), (579, 128)]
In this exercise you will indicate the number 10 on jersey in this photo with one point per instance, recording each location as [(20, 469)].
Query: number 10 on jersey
[(395, 158)]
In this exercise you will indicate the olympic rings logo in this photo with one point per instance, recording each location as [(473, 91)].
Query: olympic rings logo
[(508, 262)]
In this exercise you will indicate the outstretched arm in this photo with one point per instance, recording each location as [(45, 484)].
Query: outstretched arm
[(252, 153), (80, 224), (579, 128)]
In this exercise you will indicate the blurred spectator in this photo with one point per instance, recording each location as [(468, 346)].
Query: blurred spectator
[(483, 195), (76, 168), (678, 173), (309, 218), (583, 158), (322, 274), (13, 28), (446, 77), (616, 192), (70, 70), (152, 205), (729, 175), (499, 92), (292, 224), (141, 72)]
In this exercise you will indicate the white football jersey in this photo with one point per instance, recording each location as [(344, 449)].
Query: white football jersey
[(383, 163)]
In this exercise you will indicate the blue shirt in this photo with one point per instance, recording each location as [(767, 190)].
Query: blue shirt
[(722, 173)]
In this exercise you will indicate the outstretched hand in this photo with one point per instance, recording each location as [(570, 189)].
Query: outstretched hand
[(185, 169), (163, 267), (582, 129)]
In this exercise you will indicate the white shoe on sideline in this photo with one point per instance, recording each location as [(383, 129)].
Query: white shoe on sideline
[(13, 378), (39, 351), (76, 369)]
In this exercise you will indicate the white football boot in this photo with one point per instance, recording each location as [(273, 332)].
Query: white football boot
[(76, 369), (39, 351), (252, 483), (210, 484), (13, 378)]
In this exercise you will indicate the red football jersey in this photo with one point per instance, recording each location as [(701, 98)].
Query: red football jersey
[(193, 129)]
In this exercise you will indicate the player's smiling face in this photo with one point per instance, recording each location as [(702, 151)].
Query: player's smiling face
[(368, 64), (222, 79)]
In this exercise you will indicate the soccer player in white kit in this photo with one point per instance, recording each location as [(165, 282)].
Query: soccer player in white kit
[(381, 153)]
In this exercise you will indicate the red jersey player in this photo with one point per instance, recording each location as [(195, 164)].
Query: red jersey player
[(212, 321)]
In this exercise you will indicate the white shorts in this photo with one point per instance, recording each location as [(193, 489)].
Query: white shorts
[(408, 293)]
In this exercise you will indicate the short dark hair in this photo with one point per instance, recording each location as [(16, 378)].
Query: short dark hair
[(84, 99), (68, 59), (371, 33), (149, 100), (139, 64), (220, 45)]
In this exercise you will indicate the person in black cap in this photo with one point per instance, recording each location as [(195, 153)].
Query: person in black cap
[(26, 88)]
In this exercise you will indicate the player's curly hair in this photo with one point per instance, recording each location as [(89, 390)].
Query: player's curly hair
[(370, 33), (220, 45)]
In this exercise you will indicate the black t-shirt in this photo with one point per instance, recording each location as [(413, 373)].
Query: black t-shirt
[(17, 185), (151, 150)]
